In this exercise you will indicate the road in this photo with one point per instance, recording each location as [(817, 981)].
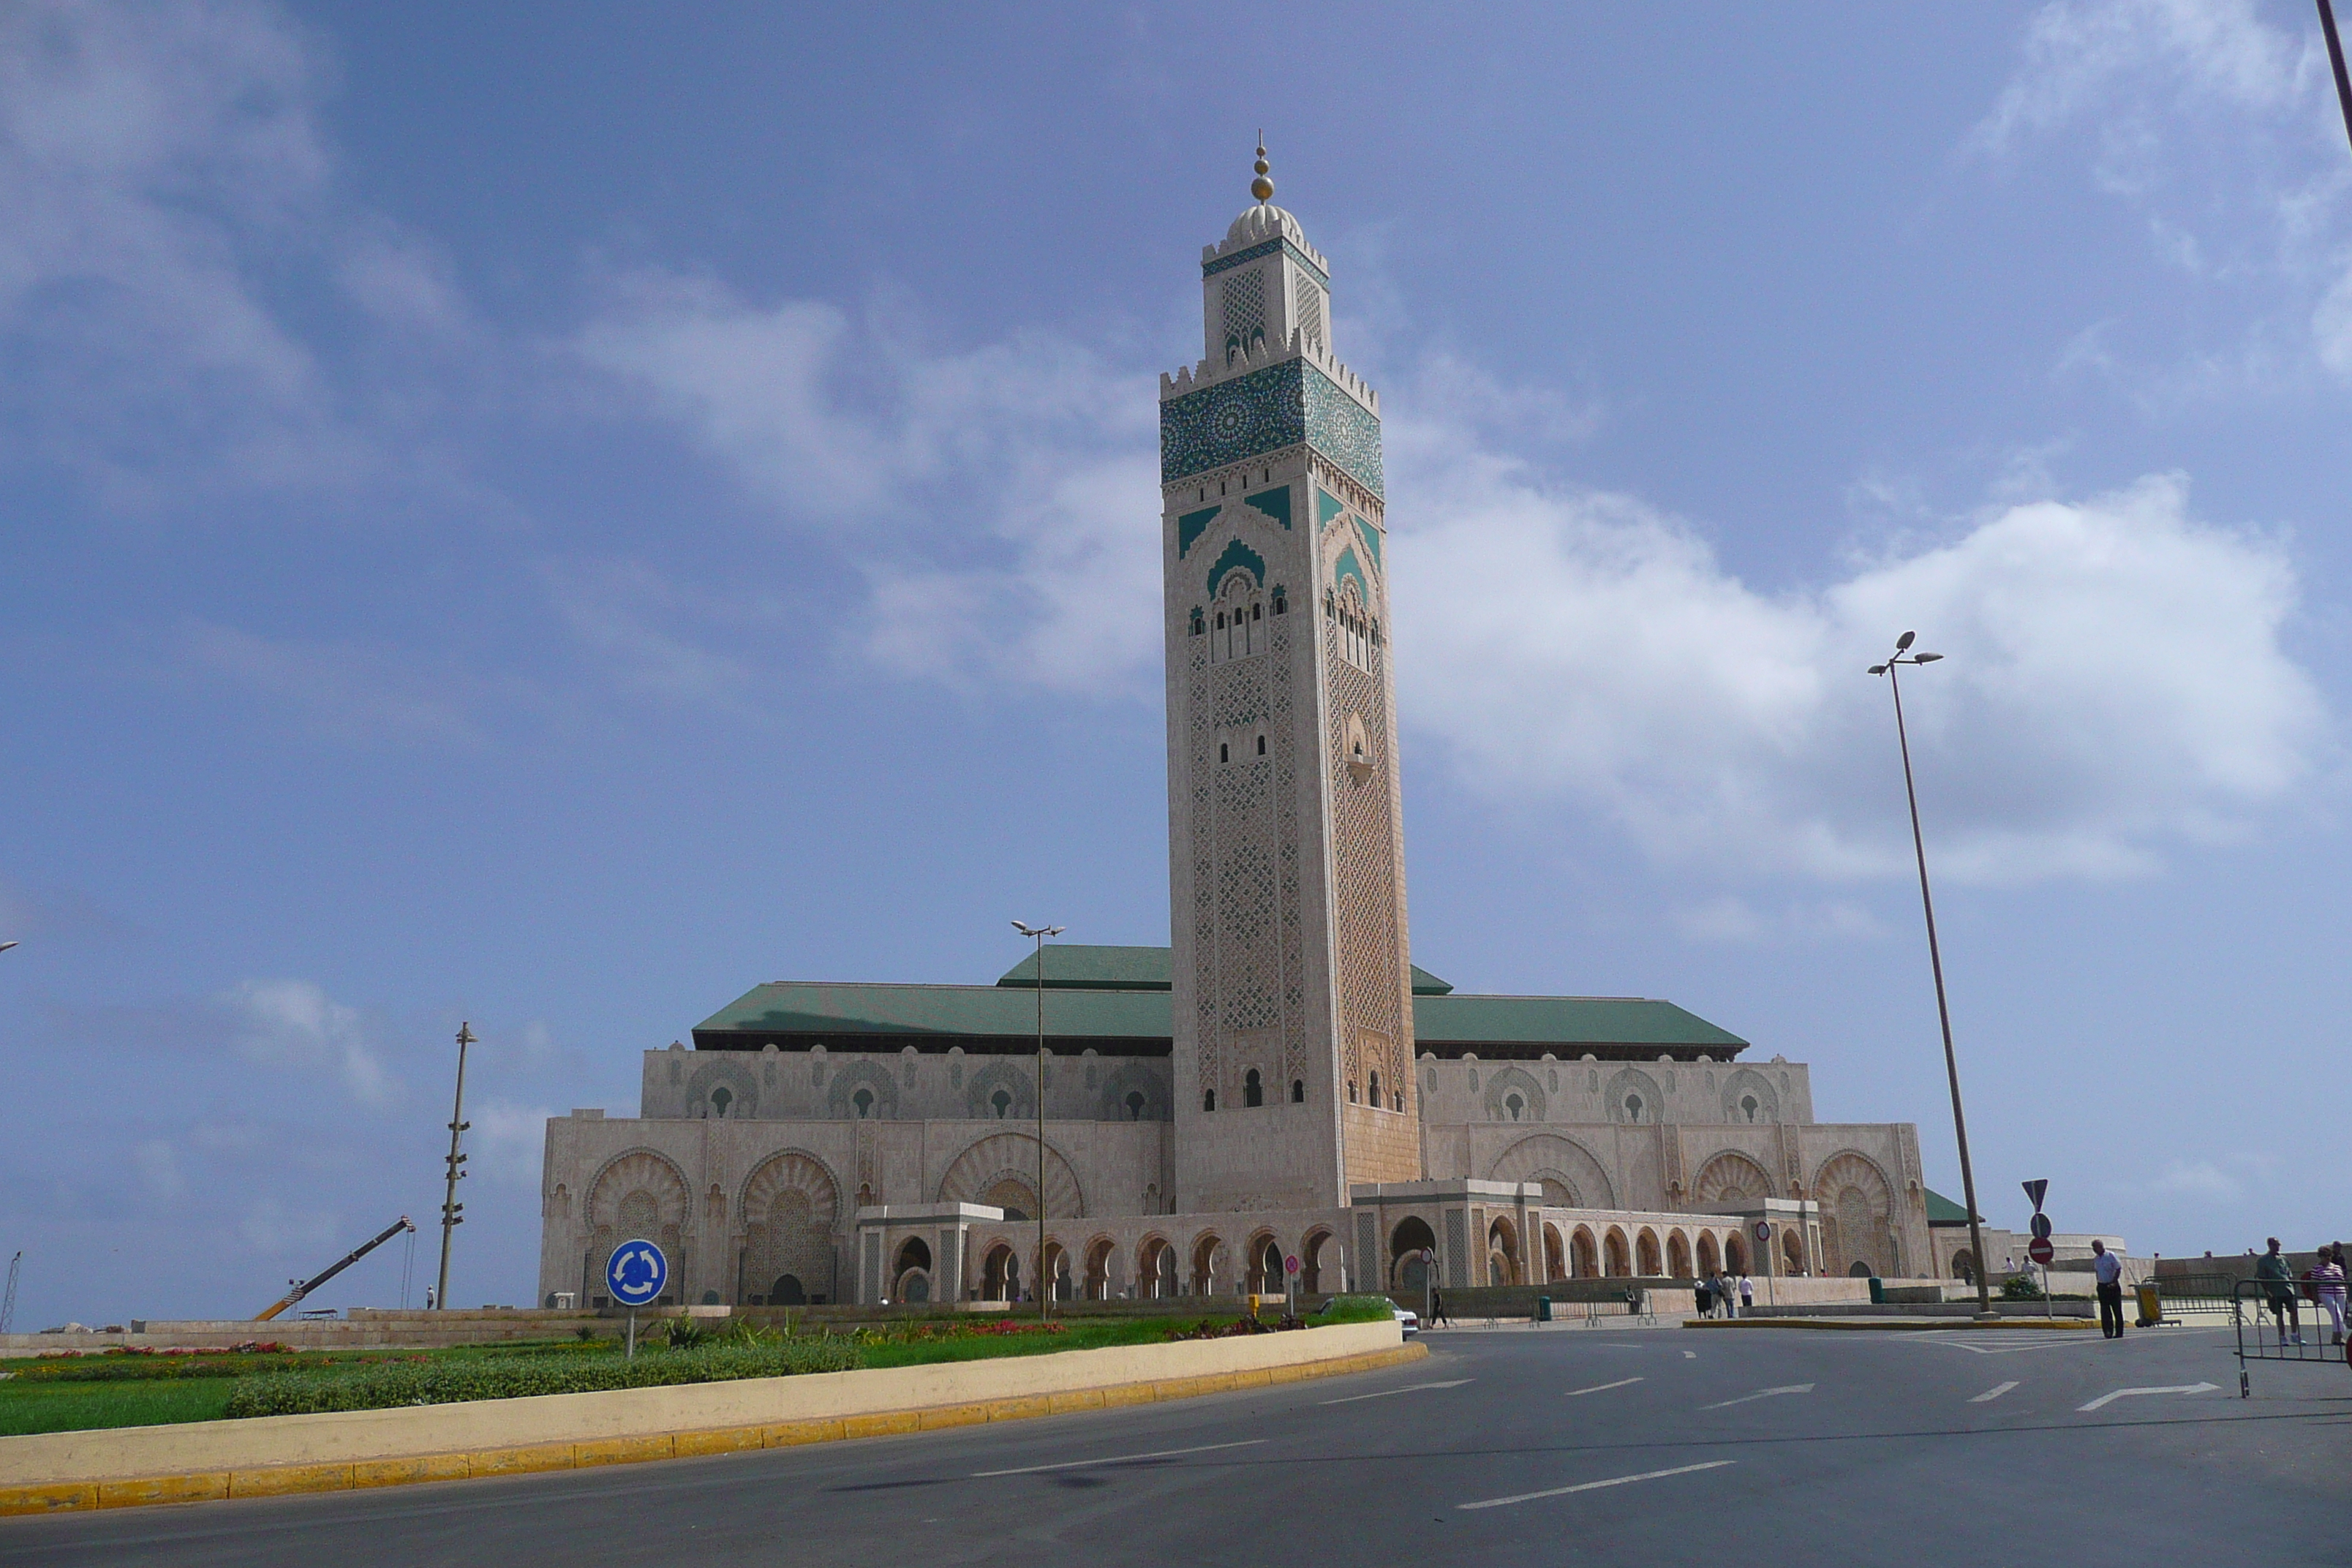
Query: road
[(1656, 1447)]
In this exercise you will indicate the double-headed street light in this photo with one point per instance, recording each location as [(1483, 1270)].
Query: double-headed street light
[(1902, 655), (1044, 1279)]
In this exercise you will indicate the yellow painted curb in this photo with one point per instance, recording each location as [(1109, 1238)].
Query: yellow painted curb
[(281, 1481)]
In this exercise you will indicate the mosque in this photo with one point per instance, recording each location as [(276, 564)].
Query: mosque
[(1279, 1087)]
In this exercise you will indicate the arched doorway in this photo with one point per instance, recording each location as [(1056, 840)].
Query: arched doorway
[(1056, 1272), (1310, 1261), (1555, 1261), (1709, 1259), (1614, 1262), (1793, 1249), (1265, 1271), (1584, 1259), (1098, 1269), (1861, 1269), (787, 1292), (910, 1274), (1208, 1255), (1501, 1253), (1000, 1274), (1734, 1255), (1964, 1266), (1409, 1244), (1646, 1249), (1155, 1269), (1678, 1258)]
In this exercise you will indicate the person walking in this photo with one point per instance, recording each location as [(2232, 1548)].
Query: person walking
[(2325, 1281), (2272, 1269), (1437, 1309), (1746, 1296), (2108, 1270)]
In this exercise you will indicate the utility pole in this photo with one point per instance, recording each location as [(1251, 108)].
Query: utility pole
[(8, 1303), (451, 1214)]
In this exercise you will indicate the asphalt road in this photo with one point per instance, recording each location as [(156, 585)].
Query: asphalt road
[(1753, 1448)]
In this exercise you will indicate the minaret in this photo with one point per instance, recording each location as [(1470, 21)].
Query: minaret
[(1292, 990)]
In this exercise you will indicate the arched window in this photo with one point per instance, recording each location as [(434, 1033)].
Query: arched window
[(1376, 1091), (721, 1097), (1351, 1091), (1514, 1104), (1001, 1099), (1261, 752), (1224, 753), (1298, 1092), (1281, 601), (863, 1101), (1240, 631), (1135, 1106), (1200, 621), (1252, 1090), (1208, 1099)]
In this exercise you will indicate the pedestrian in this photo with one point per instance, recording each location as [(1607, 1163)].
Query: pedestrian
[(2108, 1269), (1723, 1293), (1703, 1296), (2271, 1269), (1437, 1309), (2325, 1279), (1746, 1296)]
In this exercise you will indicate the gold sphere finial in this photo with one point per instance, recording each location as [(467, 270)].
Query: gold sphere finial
[(1262, 187)]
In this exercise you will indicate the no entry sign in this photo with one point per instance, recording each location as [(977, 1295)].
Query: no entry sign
[(2040, 1250)]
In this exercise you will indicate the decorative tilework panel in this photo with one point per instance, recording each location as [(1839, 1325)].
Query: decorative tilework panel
[(1308, 308), (1275, 503), (1371, 539), (1237, 557), (1243, 258), (1191, 526), (1327, 506), (1343, 430), (1261, 412)]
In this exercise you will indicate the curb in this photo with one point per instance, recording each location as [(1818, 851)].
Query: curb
[(1881, 1325), (282, 1480)]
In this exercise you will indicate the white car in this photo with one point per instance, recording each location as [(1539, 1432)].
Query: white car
[(1407, 1318)]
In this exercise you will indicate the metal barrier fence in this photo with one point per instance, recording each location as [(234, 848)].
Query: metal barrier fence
[(2275, 1321)]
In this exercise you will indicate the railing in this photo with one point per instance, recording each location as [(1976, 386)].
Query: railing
[(2270, 1316)]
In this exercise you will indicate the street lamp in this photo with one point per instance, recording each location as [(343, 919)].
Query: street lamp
[(1902, 655), (1044, 1278)]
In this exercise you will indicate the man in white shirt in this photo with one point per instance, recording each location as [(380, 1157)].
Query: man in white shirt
[(1746, 1296), (2109, 1271)]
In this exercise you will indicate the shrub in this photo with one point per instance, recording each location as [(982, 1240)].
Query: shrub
[(397, 1383), (2020, 1288), (1354, 1309)]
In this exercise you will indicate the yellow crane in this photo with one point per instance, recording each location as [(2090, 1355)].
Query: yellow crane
[(303, 1288)]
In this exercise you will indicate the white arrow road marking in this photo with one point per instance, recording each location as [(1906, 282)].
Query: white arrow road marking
[(1601, 1387), (2105, 1399), (1761, 1394), (1690, 1355), (1596, 1485), (1118, 1459), (1408, 1388), (1989, 1395)]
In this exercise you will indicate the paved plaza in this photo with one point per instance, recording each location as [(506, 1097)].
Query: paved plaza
[(1508, 1446)]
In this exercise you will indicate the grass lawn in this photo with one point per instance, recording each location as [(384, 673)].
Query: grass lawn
[(77, 1406), (54, 1396)]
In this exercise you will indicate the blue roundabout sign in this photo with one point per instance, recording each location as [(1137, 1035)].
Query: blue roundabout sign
[(635, 1273)]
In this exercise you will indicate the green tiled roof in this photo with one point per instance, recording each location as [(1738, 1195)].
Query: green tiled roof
[(792, 1007), (1078, 966), (1942, 1210), (1083, 1005), (1569, 1021)]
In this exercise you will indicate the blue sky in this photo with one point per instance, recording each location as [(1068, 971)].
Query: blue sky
[(550, 516)]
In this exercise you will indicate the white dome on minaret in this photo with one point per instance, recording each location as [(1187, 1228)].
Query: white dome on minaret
[(1265, 221)]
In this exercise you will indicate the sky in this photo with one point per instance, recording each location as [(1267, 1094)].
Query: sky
[(545, 517)]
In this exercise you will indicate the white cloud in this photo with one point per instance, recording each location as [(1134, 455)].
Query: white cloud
[(508, 1141), (295, 1024), (1002, 502), (2114, 681)]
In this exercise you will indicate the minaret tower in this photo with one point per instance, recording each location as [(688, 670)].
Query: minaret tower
[(1292, 989)]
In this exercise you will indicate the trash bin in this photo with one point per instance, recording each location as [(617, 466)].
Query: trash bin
[(1543, 1309), (2151, 1304), (1877, 1291)]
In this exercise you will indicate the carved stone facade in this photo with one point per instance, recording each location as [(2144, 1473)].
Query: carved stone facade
[(1282, 1082)]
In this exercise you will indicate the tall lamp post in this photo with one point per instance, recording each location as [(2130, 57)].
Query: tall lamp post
[(1045, 1280), (1902, 655)]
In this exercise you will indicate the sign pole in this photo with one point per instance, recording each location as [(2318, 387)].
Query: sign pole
[(633, 1334)]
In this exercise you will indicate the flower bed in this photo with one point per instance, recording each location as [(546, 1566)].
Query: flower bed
[(424, 1382)]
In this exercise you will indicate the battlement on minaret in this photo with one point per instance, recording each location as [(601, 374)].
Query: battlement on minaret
[(1258, 356)]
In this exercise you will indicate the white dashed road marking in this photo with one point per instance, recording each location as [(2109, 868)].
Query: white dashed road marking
[(1118, 1459), (1601, 1387), (2106, 1399), (1761, 1394), (1596, 1485), (1408, 1388), (1989, 1395), (1690, 1355)]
